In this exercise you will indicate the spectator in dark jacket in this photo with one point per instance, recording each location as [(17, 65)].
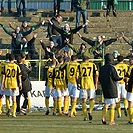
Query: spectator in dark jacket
[(26, 86), (18, 35), (52, 32), (101, 50), (51, 50), (108, 76)]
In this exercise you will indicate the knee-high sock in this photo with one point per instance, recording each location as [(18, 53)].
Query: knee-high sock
[(14, 105), (125, 103), (47, 103), (29, 105), (130, 111), (92, 102), (0, 105), (111, 115), (73, 108), (55, 106), (84, 109), (7, 103), (118, 108), (104, 112), (65, 105), (59, 104)]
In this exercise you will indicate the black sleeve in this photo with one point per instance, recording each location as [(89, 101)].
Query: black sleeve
[(31, 41), (115, 75), (108, 42), (89, 41)]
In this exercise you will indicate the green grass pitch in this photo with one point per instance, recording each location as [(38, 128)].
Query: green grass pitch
[(37, 122)]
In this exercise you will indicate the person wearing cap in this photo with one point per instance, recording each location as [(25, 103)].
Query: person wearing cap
[(108, 76), (115, 54)]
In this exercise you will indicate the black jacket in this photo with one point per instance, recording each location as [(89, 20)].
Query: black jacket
[(51, 30), (69, 34), (130, 82), (108, 76), (100, 48), (26, 84), (55, 50)]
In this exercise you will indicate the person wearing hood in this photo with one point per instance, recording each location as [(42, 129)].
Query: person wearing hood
[(108, 76)]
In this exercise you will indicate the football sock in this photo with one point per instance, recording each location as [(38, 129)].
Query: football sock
[(7, 103), (111, 115), (29, 105), (125, 103), (14, 105), (65, 105), (73, 110), (47, 103), (104, 112), (130, 111), (118, 108), (84, 109), (0, 104), (55, 106), (59, 103), (92, 102)]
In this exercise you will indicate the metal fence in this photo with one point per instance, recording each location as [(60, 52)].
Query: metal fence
[(94, 4)]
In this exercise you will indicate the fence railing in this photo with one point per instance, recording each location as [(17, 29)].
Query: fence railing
[(94, 4), (37, 65)]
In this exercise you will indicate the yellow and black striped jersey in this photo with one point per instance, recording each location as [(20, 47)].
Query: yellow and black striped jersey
[(129, 70), (11, 72), (59, 78), (87, 72), (49, 76), (72, 72), (2, 64), (122, 69), (1, 70)]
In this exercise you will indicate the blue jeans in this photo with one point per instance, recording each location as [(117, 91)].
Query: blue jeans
[(18, 6), (57, 40), (84, 14), (9, 5)]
